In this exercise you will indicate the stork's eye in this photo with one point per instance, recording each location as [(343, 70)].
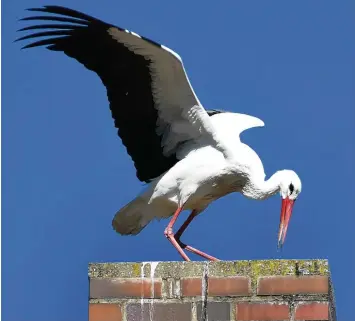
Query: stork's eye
[(292, 188)]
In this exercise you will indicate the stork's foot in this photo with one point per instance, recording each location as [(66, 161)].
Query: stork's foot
[(171, 237), (193, 250), (175, 238)]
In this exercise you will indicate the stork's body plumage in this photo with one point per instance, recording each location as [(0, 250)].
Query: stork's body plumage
[(189, 156)]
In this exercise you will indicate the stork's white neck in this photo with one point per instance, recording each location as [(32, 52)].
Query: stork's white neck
[(259, 189)]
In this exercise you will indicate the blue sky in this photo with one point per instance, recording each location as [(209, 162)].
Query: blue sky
[(65, 172)]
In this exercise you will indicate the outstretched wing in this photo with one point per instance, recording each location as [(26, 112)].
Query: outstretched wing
[(152, 102)]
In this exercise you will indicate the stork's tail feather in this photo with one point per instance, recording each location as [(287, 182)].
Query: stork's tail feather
[(132, 218)]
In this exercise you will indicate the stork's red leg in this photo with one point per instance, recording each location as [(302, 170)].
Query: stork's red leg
[(170, 235), (188, 247)]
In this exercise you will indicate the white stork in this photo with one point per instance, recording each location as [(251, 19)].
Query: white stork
[(189, 156)]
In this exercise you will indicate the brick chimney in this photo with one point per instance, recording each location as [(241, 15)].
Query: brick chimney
[(215, 291)]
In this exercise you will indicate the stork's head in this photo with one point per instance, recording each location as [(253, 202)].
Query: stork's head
[(290, 188)]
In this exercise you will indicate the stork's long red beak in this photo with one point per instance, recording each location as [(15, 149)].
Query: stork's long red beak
[(286, 212)]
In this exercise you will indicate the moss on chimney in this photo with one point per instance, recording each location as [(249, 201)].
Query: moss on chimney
[(253, 269)]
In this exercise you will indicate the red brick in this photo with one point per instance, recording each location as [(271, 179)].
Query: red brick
[(262, 311), (227, 286), (273, 285), (121, 288), (104, 312), (312, 311), (191, 286)]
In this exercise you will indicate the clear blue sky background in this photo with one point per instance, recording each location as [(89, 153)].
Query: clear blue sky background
[(65, 172)]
